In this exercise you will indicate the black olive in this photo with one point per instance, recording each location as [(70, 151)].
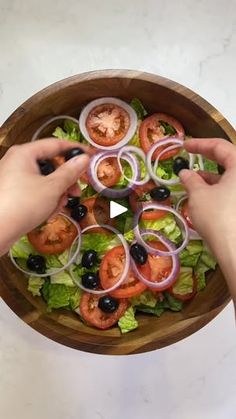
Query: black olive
[(36, 263), (90, 280), (46, 167), (73, 201), (138, 253), (179, 164), (89, 259), (108, 304), (79, 212), (73, 152), (160, 193)]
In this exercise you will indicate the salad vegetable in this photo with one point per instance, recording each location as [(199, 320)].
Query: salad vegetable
[(148, 259)]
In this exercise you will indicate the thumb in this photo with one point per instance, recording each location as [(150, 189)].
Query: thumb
[(191, 180), (68, 173)]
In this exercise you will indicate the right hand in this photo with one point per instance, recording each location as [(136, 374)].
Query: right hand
[(212, 198)]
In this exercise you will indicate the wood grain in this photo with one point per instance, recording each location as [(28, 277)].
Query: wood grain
[(68, 97)]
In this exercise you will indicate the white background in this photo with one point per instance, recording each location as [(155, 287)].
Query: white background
[(194, 43)]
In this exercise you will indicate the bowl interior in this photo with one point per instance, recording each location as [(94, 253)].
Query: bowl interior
[(199, 119)]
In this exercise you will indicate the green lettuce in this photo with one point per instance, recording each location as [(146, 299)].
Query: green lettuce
[(88, 191), (205, 263), (135, 140), (172, 303), (137, 105), (75, 299), (184, 283), (128, 321), (147, 298), (56, 295), (52, 261), (210, 166), (70, 131), (167, 225), (97, 241), (191, 254), (22, 248), (62, 278), (157, 310), (168, 129), (35, 284)]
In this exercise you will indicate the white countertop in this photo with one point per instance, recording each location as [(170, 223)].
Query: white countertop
[(194, 43)]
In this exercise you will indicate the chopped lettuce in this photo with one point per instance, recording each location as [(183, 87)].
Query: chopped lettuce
[(75, 299), (191, 254), (147, 298), (184, 283), (62, 278), (22, 248), (35, 284), (128, 321), (63, 257), (70, 131), (210, 166), (56, 295), (97, 241), (127, 170), (157, 310), (88, 191), (52, 261), (172, 303), (135, 140), (137, 105), (167, 225), (205, 263), (168, 129)]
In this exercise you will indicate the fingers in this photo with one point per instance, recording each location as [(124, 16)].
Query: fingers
[(51, 147), (191, 180), (209, 178), (68, 173), (217, 149), (74, 190)]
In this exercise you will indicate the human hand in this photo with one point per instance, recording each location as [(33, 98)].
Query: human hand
[(27, 197), (212, 198)]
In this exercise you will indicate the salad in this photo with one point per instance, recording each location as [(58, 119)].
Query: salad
[(148, 259)]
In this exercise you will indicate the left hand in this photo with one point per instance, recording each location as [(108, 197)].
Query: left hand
[(27, 197)]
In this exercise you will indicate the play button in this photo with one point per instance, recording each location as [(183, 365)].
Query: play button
[(116, 209)]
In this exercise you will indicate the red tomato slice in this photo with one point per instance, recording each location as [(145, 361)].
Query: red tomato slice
[(160, 265), (136, 204), (92, 314), (185, 214), (107, 124), (54, 237), (151, 131), (98, 213), (111, 269), (108, 172), (184, 297)]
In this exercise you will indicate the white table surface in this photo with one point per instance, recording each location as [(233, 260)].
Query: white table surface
[(194, 43)]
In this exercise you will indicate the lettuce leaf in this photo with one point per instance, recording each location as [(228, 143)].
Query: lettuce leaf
[(172, 303), (184, 283), (157, 310), (62, 278), (147, 298), (96, 241), (75, 299), (22, 248), (128, 321), (135, 140), (56, 295), (52, 261), (210, 166), (137, 105), (35, 284), (70, 131), (167, 225), (205, 263), (191, 254)]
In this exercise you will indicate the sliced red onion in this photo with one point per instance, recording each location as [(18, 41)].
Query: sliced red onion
[(111, 192), (71, 258), (140, 153), (37, 133), (126, 267), (180, 219), (106, 100), (193, 234), (172, 277)]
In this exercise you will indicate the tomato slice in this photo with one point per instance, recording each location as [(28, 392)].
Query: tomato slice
[(153, 129), (53, 237), (107, 124), (184, 297), (108, 172), (160, 265), (185, 214), (92, 314), (111, 269), (140, 193), (98, 213)]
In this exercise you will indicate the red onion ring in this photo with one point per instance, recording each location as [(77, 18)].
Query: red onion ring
[(167, 209), (105, 100), (126, 267), (71, 259), (176, 143), (140, 153), (193, 234), (48, 122), (99, 187), (171, 279)]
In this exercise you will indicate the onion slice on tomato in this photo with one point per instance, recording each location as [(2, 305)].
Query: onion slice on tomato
[(175, 143), (37, 133), (140, 153), (193, 234), (73, 254), (180, 220), (103, 101), (111, 192), (172, 277), (126, 266)]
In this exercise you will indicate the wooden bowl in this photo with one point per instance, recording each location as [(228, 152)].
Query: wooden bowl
[(68, 96)]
